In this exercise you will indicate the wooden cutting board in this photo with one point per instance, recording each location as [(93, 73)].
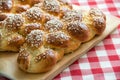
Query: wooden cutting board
[(8, 66)]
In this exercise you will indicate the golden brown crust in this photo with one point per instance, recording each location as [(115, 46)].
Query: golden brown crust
[(16, 41), (10, 41), (44, 55), (23, 58), (3, 17), (45, 31), (58, 39), (34, 14), (0, 36), (71, 16), (32, 26), (16, 6), (99, 20), (51, 6), (46, 18), (14, 22), (21, 8), (65, 3), (6, 5), (23, 1), (53, 25), (35, 38), (33, 2), (78, 30), (43, 61), (99, 24), (94, 12), (30, 2)]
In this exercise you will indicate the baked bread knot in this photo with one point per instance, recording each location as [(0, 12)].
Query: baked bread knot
[(71, 16), (95, 19), (33, 56), (79, 31), (11, 40)]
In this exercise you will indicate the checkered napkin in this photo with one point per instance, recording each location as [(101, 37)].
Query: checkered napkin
[(103, 61)]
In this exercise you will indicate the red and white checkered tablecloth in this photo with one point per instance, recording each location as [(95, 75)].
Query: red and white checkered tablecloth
[(103, 61)]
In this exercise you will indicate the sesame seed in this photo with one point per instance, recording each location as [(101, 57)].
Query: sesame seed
[(13, 21), (54, 25), (95, 12), (35, 38), (51, 5), (72, 15), (76, 27), (34, 14), (57, 36)]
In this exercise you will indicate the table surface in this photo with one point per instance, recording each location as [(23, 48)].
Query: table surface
[(103, 61)]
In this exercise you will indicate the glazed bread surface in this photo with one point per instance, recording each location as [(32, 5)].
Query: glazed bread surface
[(43, 31)]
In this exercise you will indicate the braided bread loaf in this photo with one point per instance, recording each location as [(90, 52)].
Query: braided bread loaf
[(45, 32)]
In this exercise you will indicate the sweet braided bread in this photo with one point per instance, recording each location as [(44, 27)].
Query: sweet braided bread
[(11, 21), (47, 31)]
